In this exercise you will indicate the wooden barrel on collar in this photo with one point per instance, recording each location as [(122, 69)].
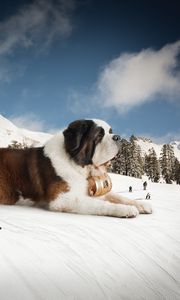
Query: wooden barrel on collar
[(99, 185)]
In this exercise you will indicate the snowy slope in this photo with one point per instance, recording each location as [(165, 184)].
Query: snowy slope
[(55, 256), (147, 144), (9, 132)]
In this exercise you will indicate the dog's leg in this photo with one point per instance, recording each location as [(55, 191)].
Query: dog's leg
[(143, 206), (7, 197), (91, 206)]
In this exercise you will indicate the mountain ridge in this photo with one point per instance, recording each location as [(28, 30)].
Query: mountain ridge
[(146, 144)]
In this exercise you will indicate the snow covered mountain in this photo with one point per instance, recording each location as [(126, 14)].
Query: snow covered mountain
[(146, 144), (9, 133)]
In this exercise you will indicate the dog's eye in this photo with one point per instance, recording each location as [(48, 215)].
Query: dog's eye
[(110, 130), (100, 135)]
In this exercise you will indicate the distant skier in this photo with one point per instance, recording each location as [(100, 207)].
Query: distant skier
[(148, 196), (130, 189), (144, 185)]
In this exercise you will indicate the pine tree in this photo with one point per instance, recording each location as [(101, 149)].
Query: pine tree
[(167, 160), (177, 171), (129, 161), (136, 161), (120, 164), (152, 167), (146, 165)]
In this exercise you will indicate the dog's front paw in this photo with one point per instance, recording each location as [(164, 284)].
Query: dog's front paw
[(144, 207), (131, 211)]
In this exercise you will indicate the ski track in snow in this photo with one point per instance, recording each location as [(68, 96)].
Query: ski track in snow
[(55, 256)]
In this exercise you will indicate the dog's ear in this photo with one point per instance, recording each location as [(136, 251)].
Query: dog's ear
[(74, 134), (79, 142)]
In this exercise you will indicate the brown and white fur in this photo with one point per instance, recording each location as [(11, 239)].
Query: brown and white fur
[(57, 173)]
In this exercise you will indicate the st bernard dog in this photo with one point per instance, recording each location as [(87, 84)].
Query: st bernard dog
[(68, 174)]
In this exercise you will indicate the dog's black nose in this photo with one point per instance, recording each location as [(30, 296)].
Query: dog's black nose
[(116, 138)]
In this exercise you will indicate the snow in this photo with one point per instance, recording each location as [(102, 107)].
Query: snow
[(9, 133), (47, 255)]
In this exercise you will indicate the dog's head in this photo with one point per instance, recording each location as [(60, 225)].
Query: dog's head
[(91, 142)]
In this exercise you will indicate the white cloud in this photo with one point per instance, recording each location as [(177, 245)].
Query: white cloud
[(36, 25), (135, 78), (33, 122), (28, 121)]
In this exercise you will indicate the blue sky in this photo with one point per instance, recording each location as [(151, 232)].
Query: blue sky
[(116, 60)]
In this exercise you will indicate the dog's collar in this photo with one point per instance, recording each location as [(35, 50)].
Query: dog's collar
[(99, 185)]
